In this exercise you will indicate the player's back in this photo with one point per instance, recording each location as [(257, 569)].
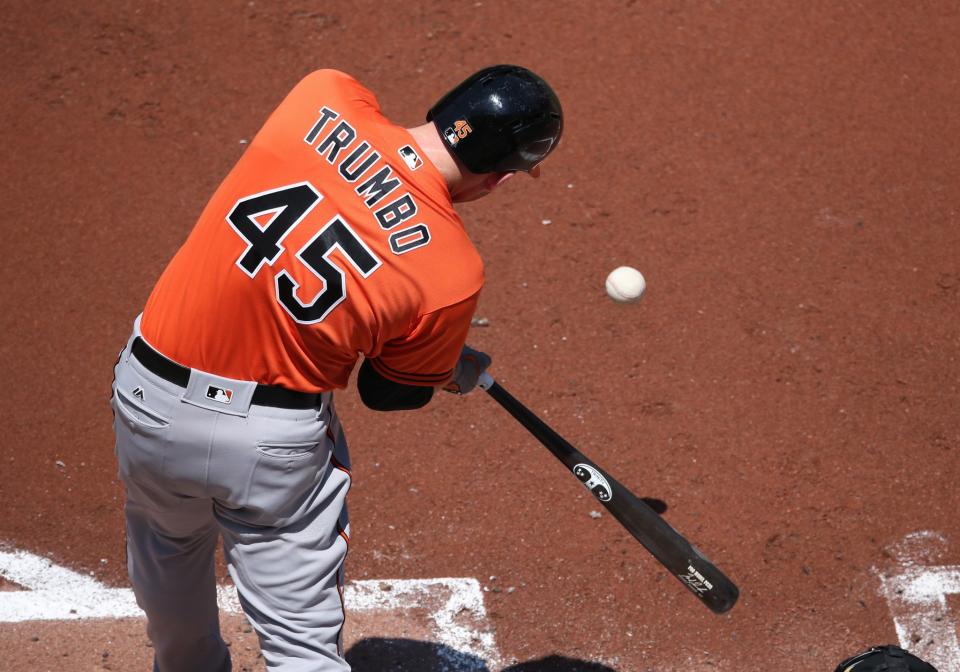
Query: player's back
[(332, 236)]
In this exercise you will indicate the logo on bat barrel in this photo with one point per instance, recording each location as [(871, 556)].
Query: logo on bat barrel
[(594, 481), (695, 581)]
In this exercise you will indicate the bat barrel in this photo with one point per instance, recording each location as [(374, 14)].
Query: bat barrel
[(668, 546)]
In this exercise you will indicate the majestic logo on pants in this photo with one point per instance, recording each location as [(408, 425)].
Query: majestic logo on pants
[(594, 481), (221, 394)]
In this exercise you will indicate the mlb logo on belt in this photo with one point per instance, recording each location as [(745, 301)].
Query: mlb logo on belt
[(221, 394)]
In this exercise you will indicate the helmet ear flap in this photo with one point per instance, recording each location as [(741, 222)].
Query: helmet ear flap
[(503, 118)]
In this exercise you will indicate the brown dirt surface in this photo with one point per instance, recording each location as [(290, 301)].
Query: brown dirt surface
[(82, 646), (784, 174)]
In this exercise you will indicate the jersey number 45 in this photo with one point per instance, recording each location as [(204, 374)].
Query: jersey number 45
[(288, 206)]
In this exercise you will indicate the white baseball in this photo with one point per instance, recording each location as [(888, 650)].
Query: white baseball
[(625, 284)]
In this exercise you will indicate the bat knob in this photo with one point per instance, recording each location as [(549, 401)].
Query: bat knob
[(485, 381)]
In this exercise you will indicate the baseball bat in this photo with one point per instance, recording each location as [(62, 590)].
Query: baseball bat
[(668, 546)]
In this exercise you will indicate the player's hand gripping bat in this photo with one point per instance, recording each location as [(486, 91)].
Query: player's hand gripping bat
[(667, 545)]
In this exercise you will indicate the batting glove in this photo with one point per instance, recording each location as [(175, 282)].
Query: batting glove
[(471, 364)]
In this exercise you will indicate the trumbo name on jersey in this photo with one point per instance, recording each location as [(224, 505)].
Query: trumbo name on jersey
[(362, 161)]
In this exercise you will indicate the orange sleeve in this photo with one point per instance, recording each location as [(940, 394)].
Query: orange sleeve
[(427, 355)]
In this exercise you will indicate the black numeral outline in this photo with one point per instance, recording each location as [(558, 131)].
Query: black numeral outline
[(263, 246), (288, 206), (315, 255)]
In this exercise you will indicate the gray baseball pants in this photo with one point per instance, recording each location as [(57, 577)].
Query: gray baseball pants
[(271, 481)]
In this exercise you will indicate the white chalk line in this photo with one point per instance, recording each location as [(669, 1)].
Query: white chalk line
[(916, 594), (55, 593)]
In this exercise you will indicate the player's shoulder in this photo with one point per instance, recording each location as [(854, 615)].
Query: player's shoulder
[(453, 270), (337, 84), (330, 76)]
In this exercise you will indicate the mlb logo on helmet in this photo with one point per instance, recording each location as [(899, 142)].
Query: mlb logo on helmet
[(220, 394), (460, 130)]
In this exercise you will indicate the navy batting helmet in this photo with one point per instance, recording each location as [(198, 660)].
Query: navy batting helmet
[(884, 659), (501, 119)]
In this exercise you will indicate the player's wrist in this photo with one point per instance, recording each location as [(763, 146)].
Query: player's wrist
[(467, 370)]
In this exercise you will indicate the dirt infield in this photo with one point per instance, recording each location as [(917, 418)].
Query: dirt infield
[(784, 174)]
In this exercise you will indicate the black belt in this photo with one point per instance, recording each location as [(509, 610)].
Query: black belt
[(263, 395)]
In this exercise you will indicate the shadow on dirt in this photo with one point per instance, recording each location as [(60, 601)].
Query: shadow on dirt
[(657, 505), (407, 655), (558, 664)]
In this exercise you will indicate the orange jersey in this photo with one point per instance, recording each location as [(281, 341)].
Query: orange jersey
[(333, 236)]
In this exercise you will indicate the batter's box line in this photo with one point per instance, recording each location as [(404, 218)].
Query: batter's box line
[(55, 593), (916, 590)]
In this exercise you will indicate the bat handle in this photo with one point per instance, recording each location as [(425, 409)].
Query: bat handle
[(485, 381)]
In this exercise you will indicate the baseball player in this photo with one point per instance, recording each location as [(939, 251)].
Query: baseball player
[(334, 236)]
